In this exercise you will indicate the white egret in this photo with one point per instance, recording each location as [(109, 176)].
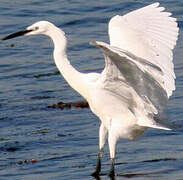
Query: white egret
[(138, 77)]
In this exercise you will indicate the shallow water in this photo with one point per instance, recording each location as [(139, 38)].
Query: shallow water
[(64, 143)]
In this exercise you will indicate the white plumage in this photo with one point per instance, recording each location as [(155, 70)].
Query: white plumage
[(138, 77), (151, 34)]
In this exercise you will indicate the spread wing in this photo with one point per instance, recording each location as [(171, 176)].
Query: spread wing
[(151, 34), (125, 77), (138, 62)]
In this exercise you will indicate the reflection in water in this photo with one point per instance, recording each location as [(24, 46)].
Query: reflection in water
[(129, 175), (133, 175), (98, 177)]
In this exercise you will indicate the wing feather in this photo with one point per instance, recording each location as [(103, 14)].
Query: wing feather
[(149, 33), (138, 62), (125, 77), (125, 69)]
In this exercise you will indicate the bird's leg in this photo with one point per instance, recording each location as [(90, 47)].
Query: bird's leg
[(102, 140), (98, 167), (112, 171), (112, 147)]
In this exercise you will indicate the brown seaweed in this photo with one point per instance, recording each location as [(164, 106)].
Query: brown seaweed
[(62, 105)]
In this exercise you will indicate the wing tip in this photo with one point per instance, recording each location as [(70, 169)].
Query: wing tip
[(93, 43), (156, 4), (98, 44)]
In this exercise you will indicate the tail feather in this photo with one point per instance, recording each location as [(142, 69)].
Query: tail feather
[(157, 124)]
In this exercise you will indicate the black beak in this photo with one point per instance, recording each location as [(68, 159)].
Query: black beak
[(20, 33)]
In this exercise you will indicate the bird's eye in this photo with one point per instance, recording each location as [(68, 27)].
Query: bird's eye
[(36, 28)]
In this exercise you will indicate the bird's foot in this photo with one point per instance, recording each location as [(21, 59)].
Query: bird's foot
[(98, 167), (95, 173), (112, 173)]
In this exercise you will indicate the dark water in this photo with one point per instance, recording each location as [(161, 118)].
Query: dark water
[(64, 143)]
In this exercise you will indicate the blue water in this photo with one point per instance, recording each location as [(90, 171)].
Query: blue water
[(64, 143)]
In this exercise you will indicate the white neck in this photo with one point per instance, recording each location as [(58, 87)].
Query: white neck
[(71, 75)]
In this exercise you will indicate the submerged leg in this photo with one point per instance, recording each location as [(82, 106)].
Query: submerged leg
[(98, 167), (112, 171), (102, 140), (112, 148)]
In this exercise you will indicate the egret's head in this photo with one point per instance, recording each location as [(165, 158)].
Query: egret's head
[(41, 27)]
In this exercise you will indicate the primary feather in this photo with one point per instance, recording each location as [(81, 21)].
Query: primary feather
[(151, 34)]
